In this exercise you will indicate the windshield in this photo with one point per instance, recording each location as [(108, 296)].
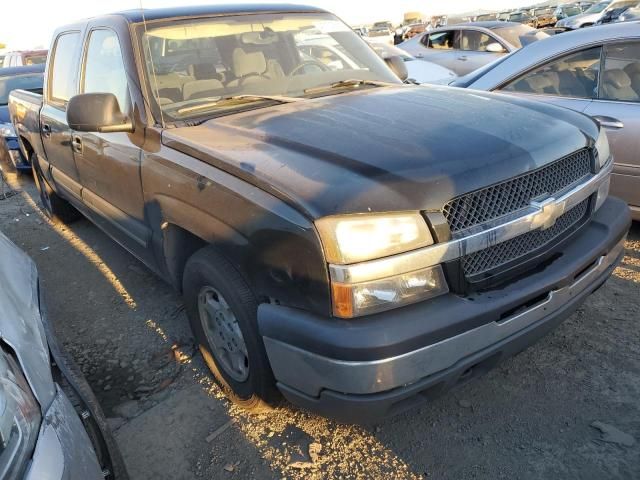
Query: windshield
[(514, 17), (513, 34), (598, 7), (191, 63), (32, 82), (571, 11), (34, 59), (470, 78)]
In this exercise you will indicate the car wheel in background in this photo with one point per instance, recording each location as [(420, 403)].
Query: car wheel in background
[(56, 208), (222, 311)]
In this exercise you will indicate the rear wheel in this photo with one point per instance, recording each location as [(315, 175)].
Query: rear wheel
[(56, 208), (222, 311)]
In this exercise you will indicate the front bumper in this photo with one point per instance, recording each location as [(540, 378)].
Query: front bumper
[(64, 450), (368, 368)]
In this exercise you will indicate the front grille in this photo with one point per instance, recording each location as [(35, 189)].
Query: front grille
[(500, 255), (512, 195)]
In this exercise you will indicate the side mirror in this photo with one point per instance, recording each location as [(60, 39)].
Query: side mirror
[(396, 64), (495, 47), (97, 112)]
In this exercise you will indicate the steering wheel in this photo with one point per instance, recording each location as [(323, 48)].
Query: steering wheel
[(306, 63)]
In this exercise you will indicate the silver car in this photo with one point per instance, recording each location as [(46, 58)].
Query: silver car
[(594, 14), (593, 71), (467, 47), (42, 435)]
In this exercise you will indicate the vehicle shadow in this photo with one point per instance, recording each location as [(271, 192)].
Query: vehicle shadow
[(529, 418)]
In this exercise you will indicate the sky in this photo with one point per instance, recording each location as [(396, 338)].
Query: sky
[(26, 24)]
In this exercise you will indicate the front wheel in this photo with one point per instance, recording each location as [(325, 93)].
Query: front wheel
[(222, 311), (55, 207)]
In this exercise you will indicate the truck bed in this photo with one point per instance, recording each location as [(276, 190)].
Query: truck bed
[(24, 110)]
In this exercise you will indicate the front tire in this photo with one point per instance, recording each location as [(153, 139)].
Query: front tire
[(55, 207), (222, 311)]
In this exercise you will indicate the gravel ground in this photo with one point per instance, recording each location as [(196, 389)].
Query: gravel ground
[(567, 407)]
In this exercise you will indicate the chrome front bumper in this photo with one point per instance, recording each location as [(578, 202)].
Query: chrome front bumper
[(311, 373)]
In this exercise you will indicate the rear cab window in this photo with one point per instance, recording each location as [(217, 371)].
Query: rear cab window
[(63, 73)]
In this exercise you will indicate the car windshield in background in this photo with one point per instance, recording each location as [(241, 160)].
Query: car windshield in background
[(571, 11), (597, 8), (32, 83), (512, 34), (34, 59), (194, 66)]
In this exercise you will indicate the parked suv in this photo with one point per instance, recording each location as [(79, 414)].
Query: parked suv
[(353, 243)]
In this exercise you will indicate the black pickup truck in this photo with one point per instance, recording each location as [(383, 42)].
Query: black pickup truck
[(353, 243)]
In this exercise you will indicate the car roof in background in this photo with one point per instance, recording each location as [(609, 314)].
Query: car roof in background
[(10, 71), (489, 25), (582, 36)]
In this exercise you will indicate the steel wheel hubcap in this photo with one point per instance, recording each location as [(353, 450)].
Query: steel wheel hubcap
[(223, 333)]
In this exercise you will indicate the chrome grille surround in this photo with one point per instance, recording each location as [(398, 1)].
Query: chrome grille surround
[(495, 201), (503, 253)]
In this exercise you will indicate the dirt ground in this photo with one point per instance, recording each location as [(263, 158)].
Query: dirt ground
[(568, 407)]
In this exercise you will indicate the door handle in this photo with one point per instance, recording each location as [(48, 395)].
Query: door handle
[(46, 129), (609, 122), (463, 58), (76, 143), (419, 55)]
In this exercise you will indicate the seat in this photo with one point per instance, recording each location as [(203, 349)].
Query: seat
[(617, 86), (248, 67), (633, 70)]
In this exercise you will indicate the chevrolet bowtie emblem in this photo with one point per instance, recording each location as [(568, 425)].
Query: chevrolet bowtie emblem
[(549, 213)]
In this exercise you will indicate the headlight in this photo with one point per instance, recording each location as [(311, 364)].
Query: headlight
[(352, 239), (354, 300), (603, 155), (7, 130), (19, 419), (602, 148), (356, 238)]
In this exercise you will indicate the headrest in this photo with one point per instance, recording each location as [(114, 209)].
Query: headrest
[(248, 63), (617, 78), (539, 82), (632, 69), (203, 71)]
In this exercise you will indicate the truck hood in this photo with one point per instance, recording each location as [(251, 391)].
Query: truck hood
[(385, 149)]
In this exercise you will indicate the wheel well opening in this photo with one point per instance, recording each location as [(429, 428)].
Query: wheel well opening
[(27, 146), (179, 245)]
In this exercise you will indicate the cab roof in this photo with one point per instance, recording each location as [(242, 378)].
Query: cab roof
[(138, 15)]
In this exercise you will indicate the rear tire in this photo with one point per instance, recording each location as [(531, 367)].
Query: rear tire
[(55, 207), (222, 311)]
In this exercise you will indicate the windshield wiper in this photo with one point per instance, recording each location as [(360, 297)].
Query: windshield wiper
[(238, 99), (353, 82)]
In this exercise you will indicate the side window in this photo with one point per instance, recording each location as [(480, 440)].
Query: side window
[(104, 67), (440, 40), (63, 72), (475, 41), (621, 77), (574, 76)]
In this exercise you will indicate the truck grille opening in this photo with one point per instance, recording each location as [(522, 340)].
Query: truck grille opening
[(493, 202), (499, 255)]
